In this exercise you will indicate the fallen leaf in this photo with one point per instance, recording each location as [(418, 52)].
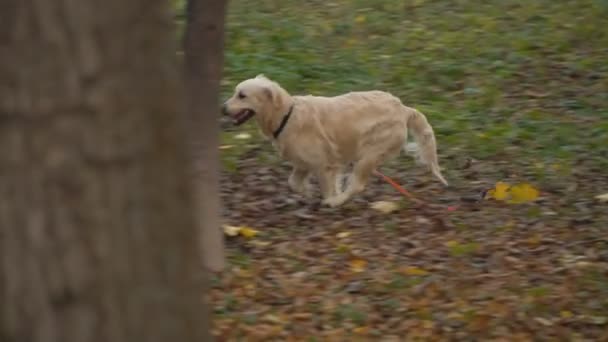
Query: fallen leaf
[(414, 271), (384, 207), (427, 324), (342, 248), (225, 147), (358, 265), (243, 136), (343, 235), (598, 320), (364, 330), (451, 243), (302, 316), (522, 193), (543, 321), (360, 19), (248, 232), (243, 273), (258, 243), (231, 230), (602, 197), (242, 230), (273, 319), (500, 191), (534, 240), (566, 314), (516, 194)]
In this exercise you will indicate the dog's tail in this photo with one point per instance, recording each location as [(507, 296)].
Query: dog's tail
[(425, 139)]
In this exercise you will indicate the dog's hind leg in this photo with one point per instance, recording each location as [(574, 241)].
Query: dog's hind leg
[(357, 180), (363, 168)]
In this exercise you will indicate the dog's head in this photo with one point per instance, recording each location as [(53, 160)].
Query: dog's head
[(255, 96)]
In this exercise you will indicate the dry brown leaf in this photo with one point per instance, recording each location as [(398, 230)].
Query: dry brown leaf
[(364, 330)]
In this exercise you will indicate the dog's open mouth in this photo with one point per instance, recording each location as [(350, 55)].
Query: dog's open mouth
[(242, 116)]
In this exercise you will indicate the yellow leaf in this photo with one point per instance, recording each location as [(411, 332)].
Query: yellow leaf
[(500, 191), (358, 265), (243, 273), (225, 147), (360, 19), (361, 330), (384, 207), (414, 271), (451, 243), (566, 314), (248, 232), (343, 235), (523, 193), (231, 230), (602, 197)]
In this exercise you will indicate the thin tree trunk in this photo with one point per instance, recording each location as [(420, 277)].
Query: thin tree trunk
[(96, 228), (204, 49)]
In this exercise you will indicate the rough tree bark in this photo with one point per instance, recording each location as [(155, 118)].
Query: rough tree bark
[(204, 51), (97, 234)]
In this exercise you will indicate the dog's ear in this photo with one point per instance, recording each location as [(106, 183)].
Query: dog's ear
[(269, 94)]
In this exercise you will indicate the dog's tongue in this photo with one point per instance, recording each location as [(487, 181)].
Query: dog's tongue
[(241, 117)]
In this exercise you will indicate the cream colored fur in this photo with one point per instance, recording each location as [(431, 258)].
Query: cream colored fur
[(325, 134)]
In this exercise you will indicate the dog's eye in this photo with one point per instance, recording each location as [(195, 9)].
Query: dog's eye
[(242, 95)]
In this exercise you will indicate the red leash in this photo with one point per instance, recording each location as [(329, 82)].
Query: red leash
[(405, 192)]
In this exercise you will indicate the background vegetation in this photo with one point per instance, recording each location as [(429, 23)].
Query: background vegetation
[(517, 91)]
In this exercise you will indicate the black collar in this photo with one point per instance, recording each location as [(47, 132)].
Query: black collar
[(279, 129)]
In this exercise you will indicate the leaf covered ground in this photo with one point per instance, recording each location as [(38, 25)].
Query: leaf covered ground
[(517, 92)]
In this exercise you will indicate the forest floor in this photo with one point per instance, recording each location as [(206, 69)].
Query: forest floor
[(517, 92)]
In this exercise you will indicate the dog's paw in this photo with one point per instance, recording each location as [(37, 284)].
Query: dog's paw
[(334, 201)]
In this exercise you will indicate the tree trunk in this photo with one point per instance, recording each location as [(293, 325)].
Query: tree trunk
[(97, 235), (204, 51)]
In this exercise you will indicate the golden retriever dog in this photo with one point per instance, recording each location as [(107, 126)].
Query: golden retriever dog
[(320, 136)]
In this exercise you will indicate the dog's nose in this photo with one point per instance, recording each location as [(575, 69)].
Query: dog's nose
[(224, 109)]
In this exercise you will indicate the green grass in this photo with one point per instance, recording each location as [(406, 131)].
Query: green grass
[(498, 79)]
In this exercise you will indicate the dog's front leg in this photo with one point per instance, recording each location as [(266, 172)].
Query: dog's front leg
[(298, 181), (340, 177), (327, 181)]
